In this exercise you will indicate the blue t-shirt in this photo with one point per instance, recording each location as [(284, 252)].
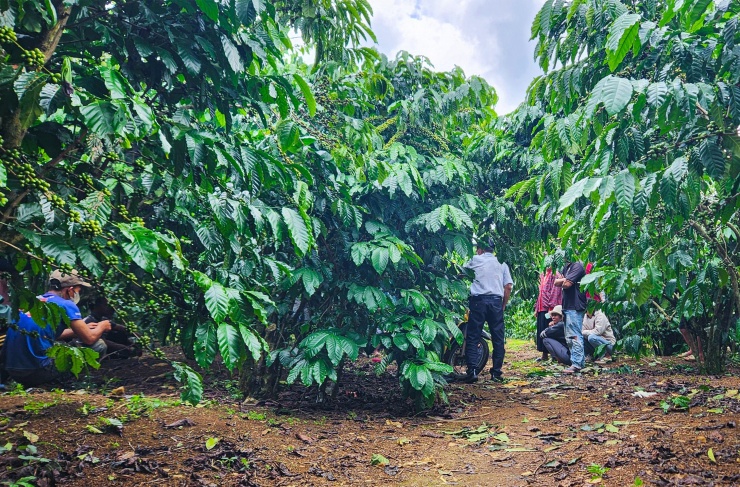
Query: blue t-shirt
[(24, 352)]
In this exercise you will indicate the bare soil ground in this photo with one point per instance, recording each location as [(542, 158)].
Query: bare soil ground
[(538, 428)]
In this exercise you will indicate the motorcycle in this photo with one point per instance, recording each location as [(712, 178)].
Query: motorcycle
[(455, 353)]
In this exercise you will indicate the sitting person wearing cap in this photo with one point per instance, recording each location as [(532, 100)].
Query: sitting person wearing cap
[(27, 342), (553, 337)]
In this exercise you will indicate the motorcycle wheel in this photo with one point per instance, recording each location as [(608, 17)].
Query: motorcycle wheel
[(456, 359)]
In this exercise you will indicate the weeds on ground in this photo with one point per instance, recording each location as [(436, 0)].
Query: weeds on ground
[(232, 388), (254, 416), (35, 407), (677, 403), (18, 390), (22, 482), (597, 471), (622, 369), (140, 405)]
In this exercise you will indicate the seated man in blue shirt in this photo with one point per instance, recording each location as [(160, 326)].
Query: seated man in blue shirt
[(27, 342), (489, 294)]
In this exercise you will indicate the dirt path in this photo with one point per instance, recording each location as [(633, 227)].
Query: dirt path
[(539, 428)]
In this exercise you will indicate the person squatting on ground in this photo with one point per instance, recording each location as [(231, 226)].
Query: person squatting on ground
[(489, 294), (27, 342), (597, 331), (117, 340), (574, 307), (548, 297), (553, 337)]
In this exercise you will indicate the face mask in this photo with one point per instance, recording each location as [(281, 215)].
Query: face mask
[(75, 297)]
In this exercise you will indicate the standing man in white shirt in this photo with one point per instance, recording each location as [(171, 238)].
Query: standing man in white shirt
[(489, 294)]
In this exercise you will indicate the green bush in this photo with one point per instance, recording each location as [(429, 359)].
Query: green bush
[(519, 320)]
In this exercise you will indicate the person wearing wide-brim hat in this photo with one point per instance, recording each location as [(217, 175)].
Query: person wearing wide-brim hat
[(548, 297), (553, 337), (27, 341)]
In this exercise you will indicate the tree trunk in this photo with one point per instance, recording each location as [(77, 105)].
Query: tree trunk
[(256, 379), (715, 337)]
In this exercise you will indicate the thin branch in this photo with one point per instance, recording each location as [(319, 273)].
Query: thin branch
[(14, 204), (668, 318), (62, 155), (21, 250)]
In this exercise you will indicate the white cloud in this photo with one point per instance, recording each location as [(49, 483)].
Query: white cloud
[(484, 37), (430, 28)]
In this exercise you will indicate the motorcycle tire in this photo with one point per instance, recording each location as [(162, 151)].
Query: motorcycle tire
[(457, 361)]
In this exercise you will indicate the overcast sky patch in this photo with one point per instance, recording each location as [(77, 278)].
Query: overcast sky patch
[(489, 38)]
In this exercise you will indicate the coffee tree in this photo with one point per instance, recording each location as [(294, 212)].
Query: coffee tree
[(394, 202), (636, 152), (225, 195), (141, 145)]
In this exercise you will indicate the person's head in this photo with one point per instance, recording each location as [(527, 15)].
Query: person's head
[(100, 307), (557, 314), (67, 285), (592, 306), (483, 245), (569, 254)]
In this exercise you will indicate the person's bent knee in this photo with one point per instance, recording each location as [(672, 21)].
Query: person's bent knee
[(99, 346)]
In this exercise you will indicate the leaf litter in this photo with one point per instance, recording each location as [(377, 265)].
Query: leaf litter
[(692, 444)]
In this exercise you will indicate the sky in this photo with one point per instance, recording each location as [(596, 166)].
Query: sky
[(488, 38)]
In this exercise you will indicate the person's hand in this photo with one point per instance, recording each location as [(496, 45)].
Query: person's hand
[(543, 334), (104, 324)]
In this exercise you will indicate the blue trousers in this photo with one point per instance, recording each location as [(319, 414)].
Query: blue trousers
[(574, 336), (486, 308)]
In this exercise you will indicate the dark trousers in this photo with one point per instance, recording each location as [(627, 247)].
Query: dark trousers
[(557, 349), (541, 326), (486, 308), (588, 349), (36, 377)]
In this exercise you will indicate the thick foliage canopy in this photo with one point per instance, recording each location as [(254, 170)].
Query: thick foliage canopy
[(281, 216), (226, 196), (635, 152)]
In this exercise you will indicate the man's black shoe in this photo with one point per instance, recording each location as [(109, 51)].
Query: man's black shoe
[(471, 377), (498, 379)]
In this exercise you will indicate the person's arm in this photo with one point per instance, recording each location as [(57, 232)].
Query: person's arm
[(66, 335), (562, 282), (573, 274), (508, 284), (552, 331), (88, 333)]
